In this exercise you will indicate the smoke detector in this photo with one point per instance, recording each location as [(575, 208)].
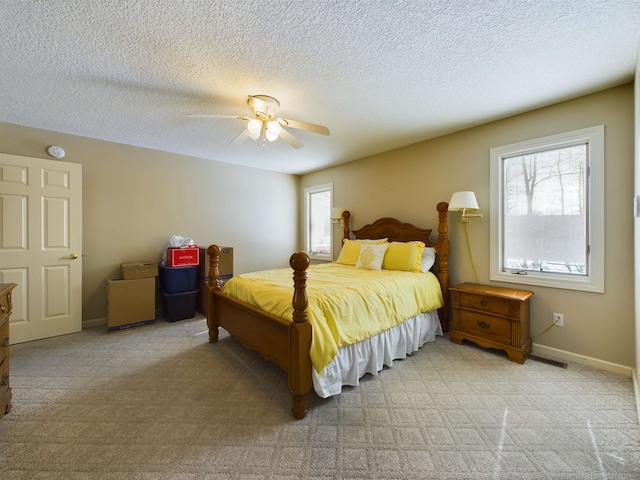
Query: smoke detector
[(55, 151)]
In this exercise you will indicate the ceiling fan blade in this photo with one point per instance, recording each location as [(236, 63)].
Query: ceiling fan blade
[(207, 115), (240, 138), (290, 139), (310, 127)]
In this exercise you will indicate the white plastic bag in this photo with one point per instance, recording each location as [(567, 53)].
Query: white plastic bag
[(176, 241)]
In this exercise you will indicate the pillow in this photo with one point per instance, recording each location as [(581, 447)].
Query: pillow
[(379, 240), (371, 255), (349, 253), (405, 256), (428, 259), (351, 250)]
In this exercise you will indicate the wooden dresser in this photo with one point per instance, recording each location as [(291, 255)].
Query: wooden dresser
[(492, 317), (5, 311)]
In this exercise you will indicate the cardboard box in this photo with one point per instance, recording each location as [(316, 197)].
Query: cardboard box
[(201, 302), (133, 270), (225, 266), (203, 283), (183, 257), (130, 303)]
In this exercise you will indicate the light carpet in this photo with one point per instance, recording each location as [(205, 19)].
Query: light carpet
[(160, 402)]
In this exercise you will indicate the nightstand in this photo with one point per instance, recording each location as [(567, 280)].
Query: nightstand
[(492, 317), (5, 311)]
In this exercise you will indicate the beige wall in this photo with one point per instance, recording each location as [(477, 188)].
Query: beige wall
[(134, 199), (407, 183)]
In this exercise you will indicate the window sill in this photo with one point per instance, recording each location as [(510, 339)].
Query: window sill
[(584, 284)]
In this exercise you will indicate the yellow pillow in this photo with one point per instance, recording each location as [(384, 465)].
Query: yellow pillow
[(371, 255), (351, 250), (349, 253), (405, 256)]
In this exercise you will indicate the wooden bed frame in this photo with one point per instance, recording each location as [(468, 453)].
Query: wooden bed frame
[(287, 343)]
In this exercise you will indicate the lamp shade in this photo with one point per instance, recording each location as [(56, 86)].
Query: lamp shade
[(336, 212), (255, 127), (274, 127), (463, 201)]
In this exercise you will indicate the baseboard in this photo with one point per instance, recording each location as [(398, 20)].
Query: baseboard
[(583, 360)]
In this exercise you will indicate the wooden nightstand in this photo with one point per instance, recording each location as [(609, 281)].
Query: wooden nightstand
[(492, 317), (5, 311)]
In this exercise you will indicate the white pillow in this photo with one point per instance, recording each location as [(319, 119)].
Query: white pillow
[(371, 256), (428, 259)]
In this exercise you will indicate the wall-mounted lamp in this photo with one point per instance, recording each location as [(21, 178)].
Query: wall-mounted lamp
[(463, 202), (336, 216)]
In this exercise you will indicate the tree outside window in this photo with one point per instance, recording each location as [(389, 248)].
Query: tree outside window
[(545, 206)]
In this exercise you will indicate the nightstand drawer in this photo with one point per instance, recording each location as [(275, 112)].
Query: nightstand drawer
[(485, 326), (485, 303)]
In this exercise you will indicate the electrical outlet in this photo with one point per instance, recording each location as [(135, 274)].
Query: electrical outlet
[(558, 318)]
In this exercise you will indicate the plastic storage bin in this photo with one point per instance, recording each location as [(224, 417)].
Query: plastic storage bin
[(177, 279), (179, 306)]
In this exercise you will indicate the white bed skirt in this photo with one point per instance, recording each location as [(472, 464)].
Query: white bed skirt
[(371, 355)]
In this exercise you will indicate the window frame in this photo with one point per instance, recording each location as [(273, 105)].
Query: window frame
[(308, 191), (595, 221)]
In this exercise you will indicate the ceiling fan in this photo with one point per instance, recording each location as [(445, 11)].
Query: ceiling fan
[(263, 124)]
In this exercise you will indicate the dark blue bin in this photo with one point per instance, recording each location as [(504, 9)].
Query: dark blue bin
[(179, 306), (177, 279)]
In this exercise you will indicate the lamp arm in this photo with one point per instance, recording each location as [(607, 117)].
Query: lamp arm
[(465, 215)]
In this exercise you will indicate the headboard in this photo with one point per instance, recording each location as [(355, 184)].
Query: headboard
[(397, 231)]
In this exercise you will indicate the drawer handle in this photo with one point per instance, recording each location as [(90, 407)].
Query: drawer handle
[(482, 324), (5, 380), (5, 341), (483, 303), (3, 308)]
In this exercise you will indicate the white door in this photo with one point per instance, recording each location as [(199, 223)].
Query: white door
[(41, 245)]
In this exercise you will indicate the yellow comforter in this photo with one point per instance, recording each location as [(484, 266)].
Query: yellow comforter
[(346, 304)]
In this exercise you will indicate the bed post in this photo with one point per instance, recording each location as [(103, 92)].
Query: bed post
[(443, 261), (345, 217), (300, 338), (214, 286)]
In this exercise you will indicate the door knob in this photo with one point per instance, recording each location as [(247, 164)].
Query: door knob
[(73, 256)]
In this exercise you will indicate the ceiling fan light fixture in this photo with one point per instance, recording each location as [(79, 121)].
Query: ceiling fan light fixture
[(254, 127), (270, 136), (274, 127), (266, 125)]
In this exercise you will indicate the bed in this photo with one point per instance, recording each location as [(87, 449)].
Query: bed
[(287, 340)]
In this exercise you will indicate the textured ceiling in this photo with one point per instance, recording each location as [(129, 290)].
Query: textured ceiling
[(380, 74)]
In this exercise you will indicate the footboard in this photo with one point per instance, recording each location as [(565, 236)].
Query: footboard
[(282, 342)]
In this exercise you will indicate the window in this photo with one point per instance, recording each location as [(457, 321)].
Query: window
[(547, 211), (317, 211)]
